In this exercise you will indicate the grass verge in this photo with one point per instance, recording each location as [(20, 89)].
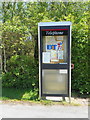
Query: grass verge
[(27, 95), (19, 94)]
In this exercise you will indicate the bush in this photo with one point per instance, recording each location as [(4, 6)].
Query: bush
[(80, 80), (22, 73)]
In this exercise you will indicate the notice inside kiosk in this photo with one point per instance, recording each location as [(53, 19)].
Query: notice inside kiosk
[(55, 49)]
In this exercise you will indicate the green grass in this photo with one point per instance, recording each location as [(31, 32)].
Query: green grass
[(13, 94), (49, 102), (21, 94), (18, 94)]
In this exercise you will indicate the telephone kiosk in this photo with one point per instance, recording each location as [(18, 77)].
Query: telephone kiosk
[(54, 40)]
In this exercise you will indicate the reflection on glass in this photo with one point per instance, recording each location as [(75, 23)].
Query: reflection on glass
[(55, 81), (54, 49)]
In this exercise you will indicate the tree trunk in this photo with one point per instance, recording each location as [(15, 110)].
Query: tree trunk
[(5, 60), (0, 60), (36, 47)]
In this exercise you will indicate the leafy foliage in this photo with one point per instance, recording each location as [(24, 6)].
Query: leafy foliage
[(19, 94), (22, 73)]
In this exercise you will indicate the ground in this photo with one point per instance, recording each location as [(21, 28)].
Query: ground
[(51, 101)]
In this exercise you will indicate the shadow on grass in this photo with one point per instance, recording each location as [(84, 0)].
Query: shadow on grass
[(27, 94), (19, 94), (78, 95)]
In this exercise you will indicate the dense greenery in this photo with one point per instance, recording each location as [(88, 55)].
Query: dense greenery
[(20, 36), (22, 72), (19, 94)]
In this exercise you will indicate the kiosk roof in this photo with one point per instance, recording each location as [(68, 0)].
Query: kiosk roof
[(64, 23)]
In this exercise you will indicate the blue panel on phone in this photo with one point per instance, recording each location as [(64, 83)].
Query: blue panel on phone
[(55, 47), (60, 43), (49, 47)]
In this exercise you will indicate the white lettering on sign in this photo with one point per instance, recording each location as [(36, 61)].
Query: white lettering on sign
[(53, 33)]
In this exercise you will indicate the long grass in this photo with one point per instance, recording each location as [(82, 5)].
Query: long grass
[(32, 96), (27, 94), (18, 94)]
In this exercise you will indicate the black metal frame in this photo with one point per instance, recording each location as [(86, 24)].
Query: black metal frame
[(54, 66)]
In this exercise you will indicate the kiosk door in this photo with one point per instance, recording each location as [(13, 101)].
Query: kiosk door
[(54, 67)]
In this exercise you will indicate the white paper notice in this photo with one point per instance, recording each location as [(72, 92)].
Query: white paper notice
[(53, 54), (46, 57), (59, 37), (60, 54)]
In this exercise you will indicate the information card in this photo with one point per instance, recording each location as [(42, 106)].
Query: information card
[(46, 57)]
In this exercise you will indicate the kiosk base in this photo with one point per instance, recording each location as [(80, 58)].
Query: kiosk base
[(57, 99)]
